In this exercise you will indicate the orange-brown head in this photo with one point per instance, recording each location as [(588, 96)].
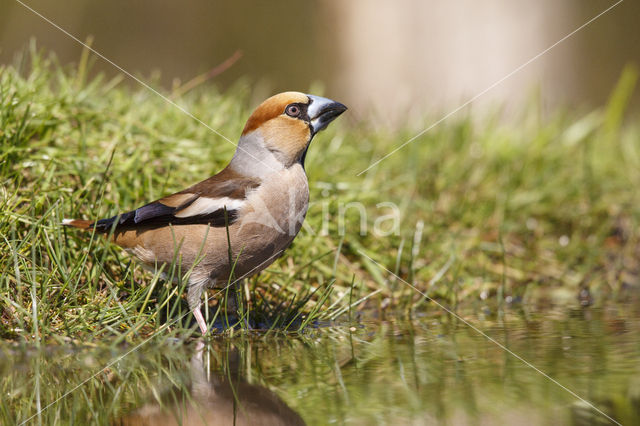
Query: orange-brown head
[(285, 124)]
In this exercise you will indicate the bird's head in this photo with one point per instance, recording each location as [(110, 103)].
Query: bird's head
[(284, 125)]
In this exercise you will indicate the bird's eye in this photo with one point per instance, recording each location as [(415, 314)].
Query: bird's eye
[(293, 110)]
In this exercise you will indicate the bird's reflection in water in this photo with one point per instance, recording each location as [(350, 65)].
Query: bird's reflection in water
[(215, 399)]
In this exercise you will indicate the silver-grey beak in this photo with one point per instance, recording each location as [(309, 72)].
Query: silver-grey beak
[(323, 111)]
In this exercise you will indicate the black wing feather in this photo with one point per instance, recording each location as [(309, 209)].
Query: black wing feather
[(156, 214)]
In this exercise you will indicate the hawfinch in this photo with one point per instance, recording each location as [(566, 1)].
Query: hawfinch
[(240, 220)]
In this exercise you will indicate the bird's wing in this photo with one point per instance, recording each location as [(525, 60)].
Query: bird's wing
[(214, 201)]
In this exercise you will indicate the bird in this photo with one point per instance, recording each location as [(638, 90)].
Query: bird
[(239, 221)]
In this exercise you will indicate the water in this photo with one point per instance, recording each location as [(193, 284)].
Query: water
[(431, 370)]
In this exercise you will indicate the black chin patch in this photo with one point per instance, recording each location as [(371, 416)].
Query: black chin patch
[(304, 154)]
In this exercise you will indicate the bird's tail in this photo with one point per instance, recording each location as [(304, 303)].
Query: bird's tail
[(78, 223), (102, 225)]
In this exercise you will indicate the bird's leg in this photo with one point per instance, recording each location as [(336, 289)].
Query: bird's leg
[(240, 304), (194, 297), (200, 320)]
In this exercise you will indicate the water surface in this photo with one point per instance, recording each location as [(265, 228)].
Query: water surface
[(430, 370)]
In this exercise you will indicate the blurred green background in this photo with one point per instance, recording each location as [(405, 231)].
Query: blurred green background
[(389, 58)]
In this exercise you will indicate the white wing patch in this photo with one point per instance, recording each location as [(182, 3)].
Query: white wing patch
[(205, 205)]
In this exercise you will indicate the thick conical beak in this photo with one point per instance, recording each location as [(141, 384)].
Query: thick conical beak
[(323, 111)]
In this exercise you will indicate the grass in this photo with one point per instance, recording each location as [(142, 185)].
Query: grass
[(542, 209)]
